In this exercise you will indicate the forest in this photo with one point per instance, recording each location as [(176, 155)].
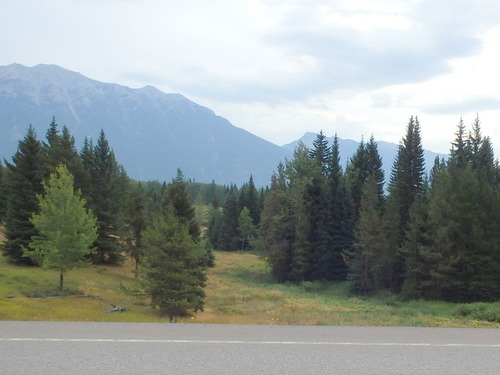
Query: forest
[(433, 236)]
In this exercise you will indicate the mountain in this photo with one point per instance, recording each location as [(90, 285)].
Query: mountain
[(347, 148), (151, 133)]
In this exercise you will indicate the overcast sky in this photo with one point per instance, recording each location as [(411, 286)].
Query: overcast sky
[(281, 68)]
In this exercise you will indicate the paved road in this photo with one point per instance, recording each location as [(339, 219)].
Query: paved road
[(151, 348)]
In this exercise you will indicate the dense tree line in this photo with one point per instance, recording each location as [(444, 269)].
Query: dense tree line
[(423, 236), (90, 189), (233, 226), (435, 236)]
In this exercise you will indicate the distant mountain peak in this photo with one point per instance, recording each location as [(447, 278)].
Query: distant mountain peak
[(151, 132)]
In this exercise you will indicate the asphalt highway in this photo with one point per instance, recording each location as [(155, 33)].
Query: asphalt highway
[(151, 348)]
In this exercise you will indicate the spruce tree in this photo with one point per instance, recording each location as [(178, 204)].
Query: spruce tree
[(174, 275), (246, 228), (249, 198), (228, 237), (316, 200), (137, 219), (66, 229), (60, 149), (341, 218), (22, 184), (356, 174), (109, 181), (406, 184), (301, 173), (3, 196), (365, 162), (177, 196), (276, 231), (459, 155), (370, 241), (214, 228)]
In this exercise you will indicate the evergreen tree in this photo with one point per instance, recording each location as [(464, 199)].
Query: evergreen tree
[(3, 196), (23, 183), (463, 255), (178, 197), (365, 162), (285, 224), (303, 176), (459, 153), (137, 219), (66, 229), (246, 228), (174, 276), (214, 228), (406, 185), (320, 152), (316, 201), (60, 149), (375, 167), (228, 237), (356, 175), (370, 241), (277, 229), (341, 226), (249, 198), (416, 238), (109, 182)]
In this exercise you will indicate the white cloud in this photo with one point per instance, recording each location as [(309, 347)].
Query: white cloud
[(279, 68)]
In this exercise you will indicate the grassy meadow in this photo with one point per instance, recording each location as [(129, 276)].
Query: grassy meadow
[(239, 290)]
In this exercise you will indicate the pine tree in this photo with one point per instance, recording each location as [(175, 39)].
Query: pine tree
[(277, 227), (356, 175), (416, 238), (137, 219), (406, 184), (214, 228), (246, 228), (108, 181), (3, 196), (23, 183), (60, 149), (365, 162), (375, 167), (228, 237), (341, 218), (370, 241), (249, 198), (301, 173), (285, 224), (320, 152), (177, 195), (316, 201), (174, 275), (66, 229), (459, 155)]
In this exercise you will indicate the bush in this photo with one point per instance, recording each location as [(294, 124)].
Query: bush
[(489, 312)]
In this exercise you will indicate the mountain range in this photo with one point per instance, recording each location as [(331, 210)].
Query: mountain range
[(152, 133)]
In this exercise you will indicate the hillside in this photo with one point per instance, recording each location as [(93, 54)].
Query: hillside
[(152, 133)]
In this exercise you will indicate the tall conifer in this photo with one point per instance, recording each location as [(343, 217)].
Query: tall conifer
[(23, 183)]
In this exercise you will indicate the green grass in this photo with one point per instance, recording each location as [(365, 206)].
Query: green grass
[(239, 290)]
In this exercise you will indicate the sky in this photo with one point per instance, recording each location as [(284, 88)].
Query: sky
[(280, 68)]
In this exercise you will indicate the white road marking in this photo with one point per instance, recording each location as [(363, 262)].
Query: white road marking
[(239, 342)]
